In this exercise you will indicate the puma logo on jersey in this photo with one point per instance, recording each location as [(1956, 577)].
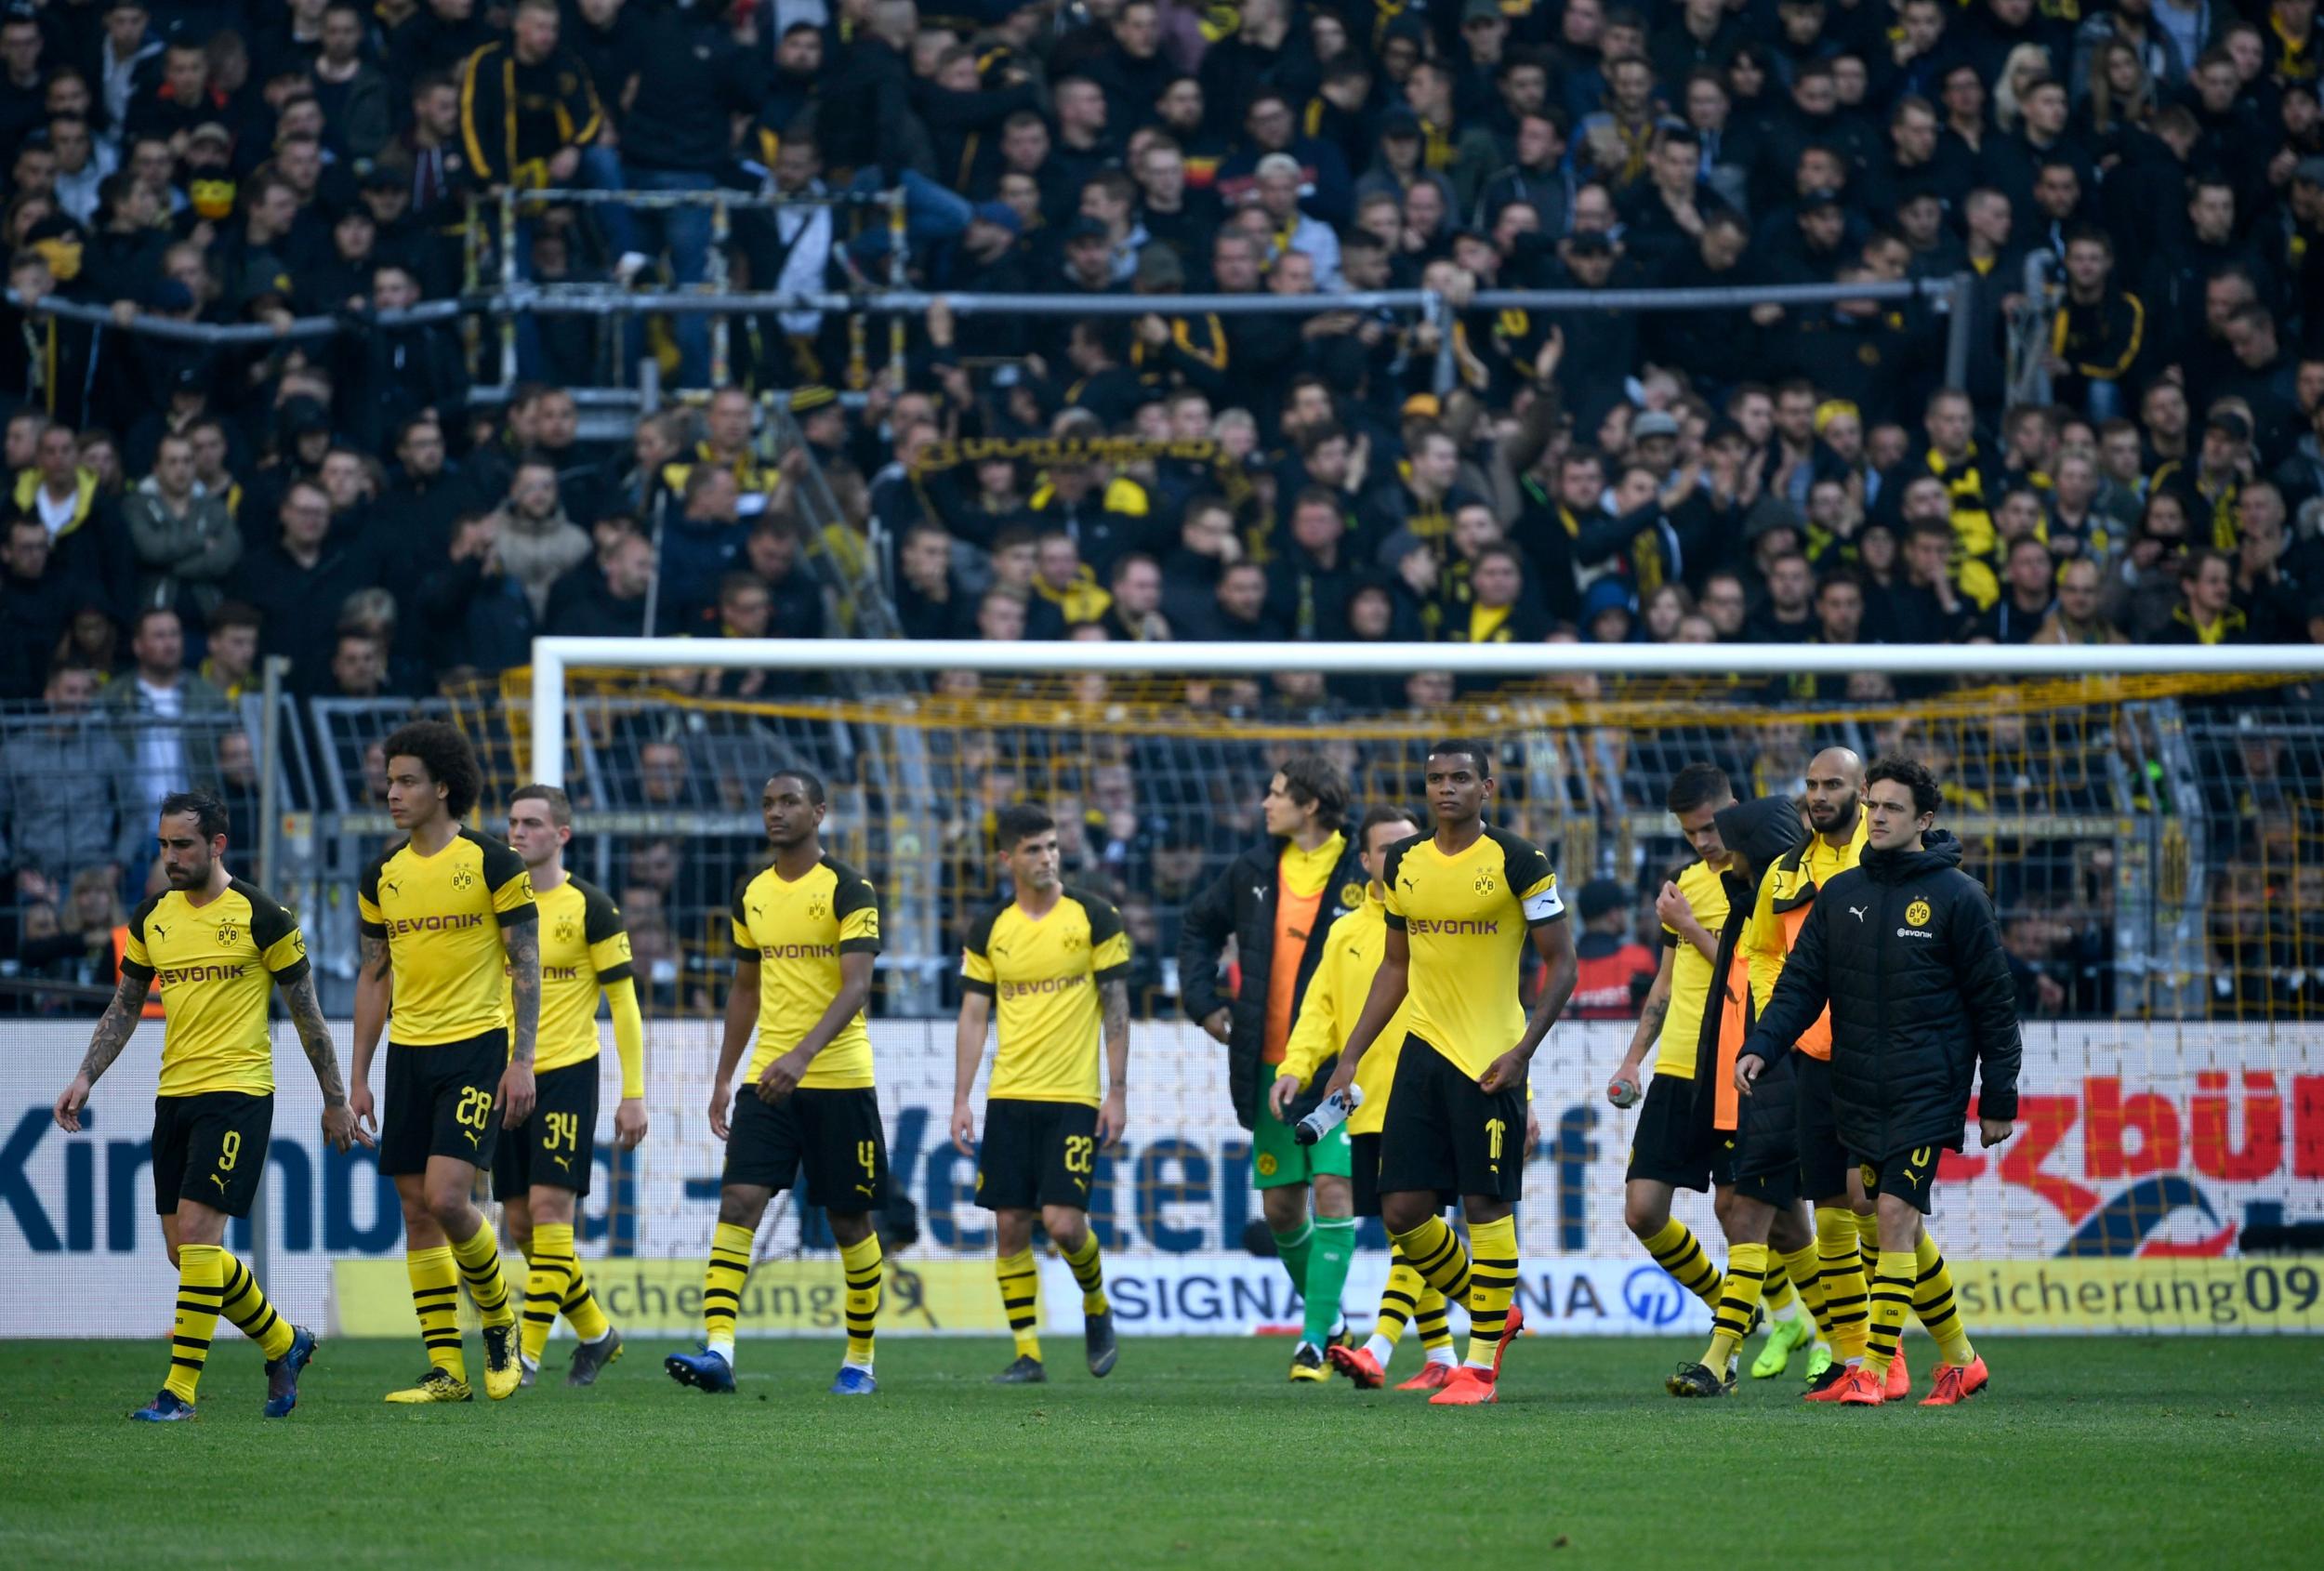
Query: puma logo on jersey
[(219, 1182), (472, 1136), (1257, 891), (564, 1162), (863, 1189), (391, 886), (159, 931), (1858, 911)]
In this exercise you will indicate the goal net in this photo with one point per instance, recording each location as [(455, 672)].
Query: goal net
[(2153, 838)]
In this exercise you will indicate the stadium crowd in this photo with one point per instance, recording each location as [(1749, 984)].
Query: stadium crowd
[(2136, 453)]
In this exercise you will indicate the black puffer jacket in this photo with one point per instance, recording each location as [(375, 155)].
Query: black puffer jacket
[(1906, 949), (1241, 902)]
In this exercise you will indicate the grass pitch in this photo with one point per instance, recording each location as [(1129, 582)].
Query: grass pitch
[(1193, 1453)]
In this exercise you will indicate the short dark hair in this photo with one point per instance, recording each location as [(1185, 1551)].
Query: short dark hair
[(1696, 784), (805, 776), (446, 757), (208, 813), (1019, 823), (560, 805), (1475, 751), (1914, 775), (1384, 812), (1311, 779)]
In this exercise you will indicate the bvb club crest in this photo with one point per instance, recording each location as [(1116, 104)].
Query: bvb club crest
[(1266, 1163), (463, 880), (1486, 883), (816, 906), (227, 932), (1351, 895), (1917, 913), (565, 929)]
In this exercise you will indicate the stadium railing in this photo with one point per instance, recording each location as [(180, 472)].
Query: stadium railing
[(514, 297)]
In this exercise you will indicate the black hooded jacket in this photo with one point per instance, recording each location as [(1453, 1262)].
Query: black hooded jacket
[(1906, 950), (1761, 832), (1242, 902)]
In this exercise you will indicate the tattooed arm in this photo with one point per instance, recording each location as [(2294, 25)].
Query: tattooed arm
[(375, 993), (523, 942), (1114, 1115), (339, 1121), (1622, 1088), (112, 1034)]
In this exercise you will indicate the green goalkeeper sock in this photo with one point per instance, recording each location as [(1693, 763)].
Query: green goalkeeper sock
[(1333, 1248), (1292, 1249)]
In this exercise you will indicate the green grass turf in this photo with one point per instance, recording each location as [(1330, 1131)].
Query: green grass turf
[(2130, 1452)]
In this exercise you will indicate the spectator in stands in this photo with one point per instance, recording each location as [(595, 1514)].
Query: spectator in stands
[(536, 542), (68, 801), (230, 650), (2077, 617), (475, 614), (298, 580), (182, 709), (606, 597), (36, 602), (186, 542), (2206, 613)]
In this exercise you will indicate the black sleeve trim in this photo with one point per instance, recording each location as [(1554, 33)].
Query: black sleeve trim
[(971, 985), (131, 969), (372, 930), (621, 972), (1113, 973), (289, 975), (601, 919), (517, 916), (859, 946)]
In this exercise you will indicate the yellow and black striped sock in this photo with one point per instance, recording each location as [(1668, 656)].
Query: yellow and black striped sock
[(479, 1256), (436, 1300), (1844, 1300), (1892, 1302), (861, 1261), (1430, 1321), (1088, 1273), (548, 1278), (199, 1285), (1868, 1226), (243, 1303), (1774, 1291), (1492, 1284), (1933, 1301), (722, 1282), (1021, 1301), (1399, 1299), (1738, 1300), (1804, 1270), (1435, 1252), (1678, 1251), (580, 1308)]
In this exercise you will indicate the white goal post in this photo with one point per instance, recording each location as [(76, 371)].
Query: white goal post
[(554, 657)]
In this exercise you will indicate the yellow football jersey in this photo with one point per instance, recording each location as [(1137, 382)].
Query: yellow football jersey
[(797, 931), (216, 966), (1466, 918), (1791, 882), (1334, 1002), (584, 950), (1045, 973), (1706, 894), (442, 916)]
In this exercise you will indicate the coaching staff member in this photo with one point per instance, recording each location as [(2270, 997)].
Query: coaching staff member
[(1906, 949)]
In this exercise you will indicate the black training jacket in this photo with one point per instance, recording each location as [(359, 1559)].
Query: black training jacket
[(1906, 949), (1242, 902)]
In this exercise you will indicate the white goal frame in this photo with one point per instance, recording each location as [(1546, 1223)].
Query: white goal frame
[(553, 657)]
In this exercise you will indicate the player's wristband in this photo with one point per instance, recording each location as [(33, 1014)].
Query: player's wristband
[(1329, 1114)]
